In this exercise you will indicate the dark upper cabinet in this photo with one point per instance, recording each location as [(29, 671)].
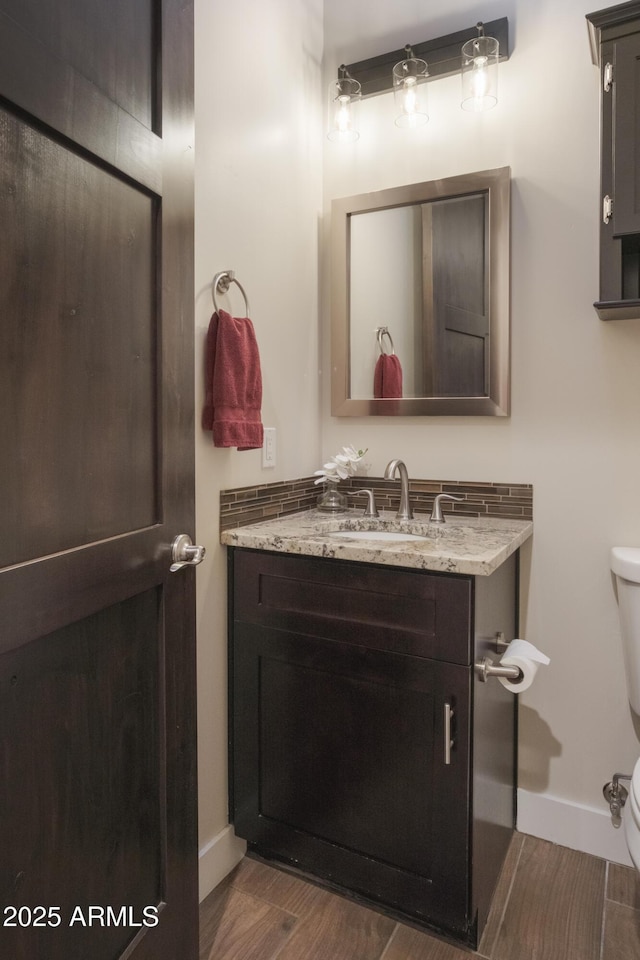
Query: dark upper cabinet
[(625, 126), (364, 751), (615, 47)]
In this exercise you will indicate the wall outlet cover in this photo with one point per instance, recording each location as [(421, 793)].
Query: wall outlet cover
[(269, 447)]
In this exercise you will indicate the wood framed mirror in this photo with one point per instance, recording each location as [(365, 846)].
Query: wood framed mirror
[(427, 264)]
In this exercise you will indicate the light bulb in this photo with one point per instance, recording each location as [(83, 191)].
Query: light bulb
[(409, 100), (343, 115), (344, 96), (480, 77), (410, 92), (480, 74)]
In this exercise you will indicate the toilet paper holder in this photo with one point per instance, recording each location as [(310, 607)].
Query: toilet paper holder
[(486, 668)]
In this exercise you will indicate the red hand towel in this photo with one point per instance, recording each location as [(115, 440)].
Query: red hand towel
[(387, 377), (233, 383)]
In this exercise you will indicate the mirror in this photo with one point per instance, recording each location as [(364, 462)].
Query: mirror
[(420, 293)]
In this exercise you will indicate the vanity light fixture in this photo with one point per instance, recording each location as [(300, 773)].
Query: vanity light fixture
[(344, 97), (480, 58), (410, 90), (405, 71)]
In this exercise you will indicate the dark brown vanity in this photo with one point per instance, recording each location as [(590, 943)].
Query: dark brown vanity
[(365, 751), (615, 48)]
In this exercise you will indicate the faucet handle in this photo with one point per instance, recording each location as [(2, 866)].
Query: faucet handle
[(437, 515), (371, 510)]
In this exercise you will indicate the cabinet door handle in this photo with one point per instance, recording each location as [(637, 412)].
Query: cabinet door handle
[(448, 742)]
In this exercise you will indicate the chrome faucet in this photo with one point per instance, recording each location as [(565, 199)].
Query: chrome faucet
[(437, 516), (371, 509), (404, 510)]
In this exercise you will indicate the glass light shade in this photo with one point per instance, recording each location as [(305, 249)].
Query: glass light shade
[(480, 74), (410, 92), (344, 99)]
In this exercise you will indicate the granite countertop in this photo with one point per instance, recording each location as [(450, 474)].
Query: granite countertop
[(469, 545)]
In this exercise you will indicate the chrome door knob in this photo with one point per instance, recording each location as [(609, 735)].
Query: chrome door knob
[(185, 553)]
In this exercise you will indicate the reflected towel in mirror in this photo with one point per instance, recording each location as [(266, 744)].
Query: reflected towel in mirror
[(387, 377)]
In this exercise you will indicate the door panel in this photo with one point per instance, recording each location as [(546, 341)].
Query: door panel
[(339, 768), (112, 44), (48, 89), (626, 136), (456, 297), (79, 397), (79, 732), (97, 637), (332, 785)]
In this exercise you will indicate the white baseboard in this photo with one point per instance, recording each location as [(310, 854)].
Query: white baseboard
[(217, 858), (567, 824), (572, 825)]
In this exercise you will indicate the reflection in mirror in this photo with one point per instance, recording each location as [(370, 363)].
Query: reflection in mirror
[(429, 265)]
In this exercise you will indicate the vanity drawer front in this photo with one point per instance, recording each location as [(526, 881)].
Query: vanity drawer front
[(416, 613)]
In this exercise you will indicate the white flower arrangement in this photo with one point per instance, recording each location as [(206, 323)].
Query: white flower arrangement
[(342, 465)]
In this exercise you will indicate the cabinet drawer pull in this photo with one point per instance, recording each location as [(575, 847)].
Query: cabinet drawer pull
[(448, 742)]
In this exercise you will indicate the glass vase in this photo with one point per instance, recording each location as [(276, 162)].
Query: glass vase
[(331, 500)]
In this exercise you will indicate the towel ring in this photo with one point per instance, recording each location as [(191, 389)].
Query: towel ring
[(384, 332), (222, 282)]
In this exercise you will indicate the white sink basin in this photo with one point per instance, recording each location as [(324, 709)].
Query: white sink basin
[(388, 535)]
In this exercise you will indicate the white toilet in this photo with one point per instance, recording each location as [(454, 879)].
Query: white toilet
[(625, 564)]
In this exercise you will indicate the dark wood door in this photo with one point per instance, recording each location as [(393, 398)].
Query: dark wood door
[(456, 297), (97, 664)]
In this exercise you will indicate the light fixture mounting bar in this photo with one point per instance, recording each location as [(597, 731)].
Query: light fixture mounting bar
[(442, 56)]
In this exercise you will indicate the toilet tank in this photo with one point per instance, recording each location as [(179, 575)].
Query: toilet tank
[(625, 564)]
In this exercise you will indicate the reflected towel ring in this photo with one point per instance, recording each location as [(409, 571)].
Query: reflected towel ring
[(222, 281), (384, 332)]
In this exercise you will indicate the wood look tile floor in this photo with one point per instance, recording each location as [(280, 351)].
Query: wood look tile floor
[(551, 903)]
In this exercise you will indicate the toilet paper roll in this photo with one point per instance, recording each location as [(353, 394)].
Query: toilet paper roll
[(522, 654)]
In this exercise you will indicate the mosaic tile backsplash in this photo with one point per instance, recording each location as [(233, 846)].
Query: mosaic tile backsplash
[(244, 505)]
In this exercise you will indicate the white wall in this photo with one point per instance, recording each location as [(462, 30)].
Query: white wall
[(383, 244), (573, 432), (258, 206)]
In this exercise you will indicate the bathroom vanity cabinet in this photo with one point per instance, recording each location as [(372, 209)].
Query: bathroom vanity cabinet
[(364, 750), (615, 48)]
